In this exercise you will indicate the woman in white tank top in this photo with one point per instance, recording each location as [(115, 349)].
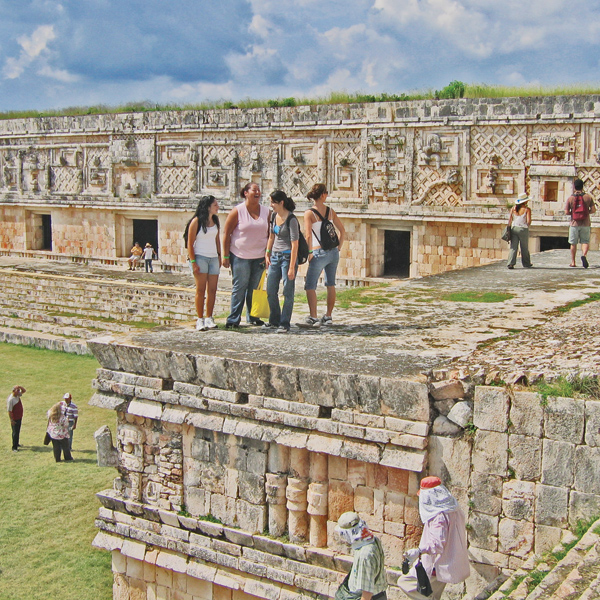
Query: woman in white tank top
[(204, 254), (519, 222)]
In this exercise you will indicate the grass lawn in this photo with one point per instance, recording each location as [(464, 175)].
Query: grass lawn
[(47, 509)]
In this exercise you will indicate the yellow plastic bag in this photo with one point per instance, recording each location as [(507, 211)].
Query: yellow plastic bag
[(260, 302)]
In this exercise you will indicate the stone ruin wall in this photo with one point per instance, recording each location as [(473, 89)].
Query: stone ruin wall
[(443, 170), (232, 473)]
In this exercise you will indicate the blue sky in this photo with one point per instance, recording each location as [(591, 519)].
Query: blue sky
[(56, 54)]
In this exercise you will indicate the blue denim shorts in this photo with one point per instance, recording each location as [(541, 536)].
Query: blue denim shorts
[(322, 260), (206, 265)]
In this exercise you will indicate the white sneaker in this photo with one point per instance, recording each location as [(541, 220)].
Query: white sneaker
[(209, 323), (326, 320), (200, 325)]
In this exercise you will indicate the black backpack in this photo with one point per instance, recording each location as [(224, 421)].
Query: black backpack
[(302, 245), (329, 237)]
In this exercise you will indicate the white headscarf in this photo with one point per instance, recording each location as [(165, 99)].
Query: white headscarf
[(358, 535), (433, 501)]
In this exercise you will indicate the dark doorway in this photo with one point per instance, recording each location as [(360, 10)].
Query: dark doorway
[(145, 231), (553, 243), (397, 253), (46, 232)]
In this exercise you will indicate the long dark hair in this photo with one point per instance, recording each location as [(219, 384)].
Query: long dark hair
[(202, 214), (279, 196), (317, 191)]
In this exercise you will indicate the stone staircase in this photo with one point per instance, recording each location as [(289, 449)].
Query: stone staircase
[(570, 572), (62, 311)]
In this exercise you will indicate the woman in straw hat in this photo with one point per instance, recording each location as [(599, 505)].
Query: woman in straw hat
[(519, 222)]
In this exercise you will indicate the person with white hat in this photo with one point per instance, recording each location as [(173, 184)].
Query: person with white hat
[(366, 580), (443, 545), (519, 222)]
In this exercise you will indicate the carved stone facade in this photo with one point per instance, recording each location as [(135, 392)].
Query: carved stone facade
[(452, 165)]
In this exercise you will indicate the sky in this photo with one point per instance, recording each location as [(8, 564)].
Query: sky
[(58, 54)]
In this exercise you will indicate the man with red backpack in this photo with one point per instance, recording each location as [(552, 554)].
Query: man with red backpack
[(579, 207)]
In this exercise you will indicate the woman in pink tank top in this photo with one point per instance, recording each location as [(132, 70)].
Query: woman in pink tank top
[(245, 238)]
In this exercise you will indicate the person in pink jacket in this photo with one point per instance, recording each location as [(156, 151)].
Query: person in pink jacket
[(443, 545)]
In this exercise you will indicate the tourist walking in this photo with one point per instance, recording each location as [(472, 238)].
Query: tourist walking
[(134, 259), (15, 414), (579, 207), (72, 416), (325, 235), (58, 430), (443, 546), (203, 244), (245, 237), (519, 221), (149, 255), (366, 578), (282, 260)]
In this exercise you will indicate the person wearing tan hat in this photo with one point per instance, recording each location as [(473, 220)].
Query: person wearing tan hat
[(443, 545), (519, 221), (366, 579)]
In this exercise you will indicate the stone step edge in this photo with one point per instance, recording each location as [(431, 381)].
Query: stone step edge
[(41, 340), (530, 565), (42, 317)]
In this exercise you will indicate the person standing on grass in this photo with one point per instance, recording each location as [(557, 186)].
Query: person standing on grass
[(15, 414), (204, 254), (58, 430), (72, 416), (324, 245), (579, 207)]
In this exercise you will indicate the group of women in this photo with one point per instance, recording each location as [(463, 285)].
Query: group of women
[(254, 238)]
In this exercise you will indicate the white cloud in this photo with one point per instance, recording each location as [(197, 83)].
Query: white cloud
[(31, 47), (58, 74), (199, 92), (262, 27)]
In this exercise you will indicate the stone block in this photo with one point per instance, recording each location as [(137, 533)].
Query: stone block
[(337, 467), (171, 561), (546, 538), (490, 452), (340, 499), (106, 452), (592, 422), (363, 500), (526, 414), (404, 399), (403, 459), (212, 371), (182, 367), (199, 588), (490, 408), (404, 426), (253, 517), (283, 382), (525, 457), (251, 487), (444, 406), (175, 414), (486, 492), (394, 507), (587, 471), (551, 506), (461, 414), (362, 451), (448, 389), (515, 537), (483, 531), (221, 395), (518, 500), (119, 562), (564, 420), (442, 426), (583, 507), (558, 463), (145, 408), (450, 460), (316, 387)]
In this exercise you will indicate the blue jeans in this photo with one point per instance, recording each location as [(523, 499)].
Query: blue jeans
[(326, 260), (278, 271), (245, 277)]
